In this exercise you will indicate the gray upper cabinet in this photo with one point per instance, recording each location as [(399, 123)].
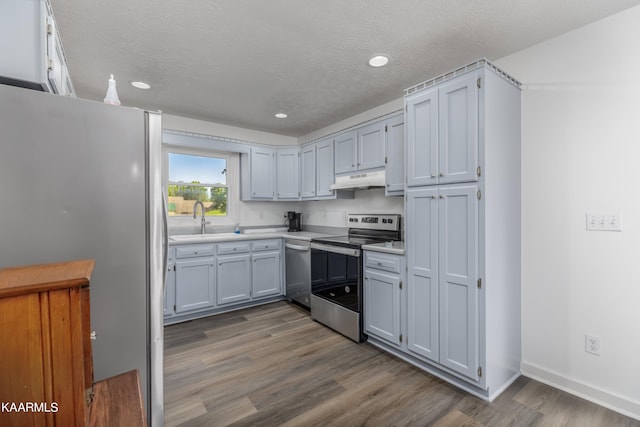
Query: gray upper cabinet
[(361, 149), (395, 156), (371, 146), (442, 133), (325, 175), (287, 174), (270, 174), (308, 171), (34, 57), (345, 153), (261, 169)]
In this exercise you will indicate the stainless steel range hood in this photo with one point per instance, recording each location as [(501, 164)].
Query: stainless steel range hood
[(359, 181)]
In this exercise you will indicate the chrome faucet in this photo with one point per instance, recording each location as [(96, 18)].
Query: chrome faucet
[(203, 223)]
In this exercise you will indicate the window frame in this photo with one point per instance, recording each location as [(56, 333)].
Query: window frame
[(232, 185)]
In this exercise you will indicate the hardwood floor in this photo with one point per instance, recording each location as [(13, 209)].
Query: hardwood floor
[(272, 365)]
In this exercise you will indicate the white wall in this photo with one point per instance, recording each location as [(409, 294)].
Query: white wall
[(580, 152), (332, 213), (381, 110), (185, 124)]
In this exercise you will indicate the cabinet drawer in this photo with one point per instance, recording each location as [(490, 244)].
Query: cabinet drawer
[(382, 262), (190, 251), (233, 248), (265, 245)]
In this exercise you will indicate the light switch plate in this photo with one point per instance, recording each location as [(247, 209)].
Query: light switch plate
[(607, 221)]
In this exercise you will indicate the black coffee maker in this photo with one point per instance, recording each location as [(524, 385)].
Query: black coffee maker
[(294, 220)]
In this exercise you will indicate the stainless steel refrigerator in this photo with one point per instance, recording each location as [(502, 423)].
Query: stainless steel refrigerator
[(82, 179)]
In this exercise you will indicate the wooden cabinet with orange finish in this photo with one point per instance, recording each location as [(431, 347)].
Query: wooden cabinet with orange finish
[(46, 366)]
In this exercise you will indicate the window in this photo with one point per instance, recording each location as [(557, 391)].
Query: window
[(198, 176)]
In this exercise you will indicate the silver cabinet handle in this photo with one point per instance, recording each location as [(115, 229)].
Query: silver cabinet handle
[(441, 173), (433, 175)]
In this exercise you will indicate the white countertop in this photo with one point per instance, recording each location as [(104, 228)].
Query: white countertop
[(231, 237), (396, 248)]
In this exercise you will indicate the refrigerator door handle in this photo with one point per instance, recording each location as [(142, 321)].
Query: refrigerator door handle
[(165, 243)]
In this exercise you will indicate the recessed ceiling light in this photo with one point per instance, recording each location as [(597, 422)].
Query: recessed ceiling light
[(141, 85), (281, 115), (378, 61)]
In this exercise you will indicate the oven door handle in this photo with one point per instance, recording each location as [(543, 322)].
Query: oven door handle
[(336, 249)]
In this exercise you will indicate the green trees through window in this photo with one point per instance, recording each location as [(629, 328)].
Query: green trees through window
[(197, 178)]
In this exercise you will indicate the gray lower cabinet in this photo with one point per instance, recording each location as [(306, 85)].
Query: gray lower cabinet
[(195, 284), (234, 278), (267, 274), (383, 302), (170, 286), (205, 279)]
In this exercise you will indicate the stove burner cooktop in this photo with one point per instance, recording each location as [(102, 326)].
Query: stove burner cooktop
[(348, 241)]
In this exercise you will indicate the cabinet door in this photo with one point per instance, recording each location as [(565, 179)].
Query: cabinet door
[(308, 171), (262, 173), (458, 292), (422, 138), (195, 284), (458, 130), (325, 175), (345, 153), (170, 290), (422, 286), (395, 156), (234, 278), (371, 146), (267, 278), (287, 176), (382, 306)]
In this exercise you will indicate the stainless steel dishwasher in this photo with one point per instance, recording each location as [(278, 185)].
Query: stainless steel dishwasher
[(298, 265)]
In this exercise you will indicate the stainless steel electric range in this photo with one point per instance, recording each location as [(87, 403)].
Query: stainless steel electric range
[(337, 272)]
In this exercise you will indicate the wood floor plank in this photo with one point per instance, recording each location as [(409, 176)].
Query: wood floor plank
[(273, 365)]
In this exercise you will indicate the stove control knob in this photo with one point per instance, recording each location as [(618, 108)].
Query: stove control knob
[(384, 220), (390, 221)]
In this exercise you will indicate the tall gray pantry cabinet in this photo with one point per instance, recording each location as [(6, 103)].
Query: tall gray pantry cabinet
[(463, 213)]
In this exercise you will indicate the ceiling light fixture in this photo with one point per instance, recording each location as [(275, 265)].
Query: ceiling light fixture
[(378, 61), (281, 115), (141, 85)]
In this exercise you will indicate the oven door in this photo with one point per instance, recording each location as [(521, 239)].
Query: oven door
[(336, 275)]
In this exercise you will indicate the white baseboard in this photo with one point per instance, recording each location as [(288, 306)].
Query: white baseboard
[(593, 394)]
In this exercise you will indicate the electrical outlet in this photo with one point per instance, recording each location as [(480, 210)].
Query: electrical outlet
[(592, 344)]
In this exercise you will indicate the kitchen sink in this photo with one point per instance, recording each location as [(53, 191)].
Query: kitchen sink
[(180, 237)]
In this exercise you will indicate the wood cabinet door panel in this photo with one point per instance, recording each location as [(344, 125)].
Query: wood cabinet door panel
[(325, 175), (422, 139), (458, 130), (195, 284), (382, 306), (458, 293), (345, 153), (267, 278), (308, 171), (233, 279), (371, 146), (422, 286)]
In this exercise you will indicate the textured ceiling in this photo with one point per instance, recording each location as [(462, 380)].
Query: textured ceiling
[(238, 62)]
